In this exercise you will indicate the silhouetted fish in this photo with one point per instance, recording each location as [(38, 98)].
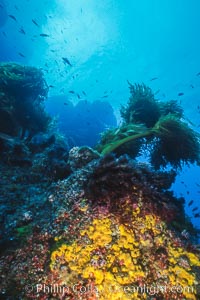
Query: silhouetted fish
[(34, 22), (66, 61), (197, 215), (78, 96), (13, 17), (190, 203), (198, 74), (84, 93), (22, 30), (44, 35), (154, 78), (21, 54), (180, 94), (194, 209), (71, 92)]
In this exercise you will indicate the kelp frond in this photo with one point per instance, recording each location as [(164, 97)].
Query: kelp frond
[(174, 142), (177, 143), (112, 139), (171, 107), (22, 92), (17, 79), (142, 107)]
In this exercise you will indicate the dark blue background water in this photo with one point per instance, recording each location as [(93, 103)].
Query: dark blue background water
[(108, 42)]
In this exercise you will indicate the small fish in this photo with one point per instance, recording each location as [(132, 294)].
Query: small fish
[(34, 22), (22, 30), (197, 184), (51, 86), (44, 35), (194, 209), (78, 96), (4, 33), (84, 93), (180, 94), (66, 103), (197, 215), (190, 203), (106, 96), (13, 17), (1, 6), (198, 74), (21, 54), (71, 92), (185, 234), (66, 61), (188, 192), (191, 85), (154, 78)]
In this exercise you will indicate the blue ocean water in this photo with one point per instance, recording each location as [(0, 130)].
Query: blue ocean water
[(92, 48)]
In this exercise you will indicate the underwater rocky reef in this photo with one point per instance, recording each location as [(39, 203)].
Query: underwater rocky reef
[(89, 224)]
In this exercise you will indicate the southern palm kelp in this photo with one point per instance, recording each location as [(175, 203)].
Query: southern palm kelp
[(171, 107), (169, 139), (175, 143), (113, 137), (142, 107), (22, 92)]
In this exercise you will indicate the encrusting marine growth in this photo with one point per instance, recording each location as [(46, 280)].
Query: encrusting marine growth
[(116, 260)]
